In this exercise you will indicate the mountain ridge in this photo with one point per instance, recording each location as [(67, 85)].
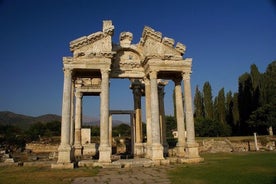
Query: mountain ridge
[(25, 121)]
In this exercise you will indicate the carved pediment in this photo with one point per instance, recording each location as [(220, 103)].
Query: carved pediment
[(154, 45), (98, 44)]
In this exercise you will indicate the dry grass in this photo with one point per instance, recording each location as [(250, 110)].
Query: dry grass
[(42, 175), (229, 168)]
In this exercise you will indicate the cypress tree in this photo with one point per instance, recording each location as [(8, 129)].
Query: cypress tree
[(270, 76), (207, 101), (229, 109), (221, 107), (198, 104), (256, 91), (244, 100), (236, 115)]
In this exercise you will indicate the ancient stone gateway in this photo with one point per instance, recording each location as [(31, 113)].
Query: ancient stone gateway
[(147, 64)]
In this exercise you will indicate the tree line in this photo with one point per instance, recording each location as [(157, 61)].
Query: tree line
[(13, 137), (251, 109)]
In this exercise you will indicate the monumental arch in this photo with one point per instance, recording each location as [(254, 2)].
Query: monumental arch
[(148, 65)]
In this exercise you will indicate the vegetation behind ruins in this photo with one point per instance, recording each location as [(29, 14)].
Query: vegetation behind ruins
[(251, 109)]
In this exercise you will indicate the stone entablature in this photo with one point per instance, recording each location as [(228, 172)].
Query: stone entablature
[(148, 64)]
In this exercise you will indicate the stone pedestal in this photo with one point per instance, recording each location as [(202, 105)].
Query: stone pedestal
[(138, 150), (78, 150), (65, 156), (192, 150), (157, 152), (105, 154), (89, 149), (180, 151)]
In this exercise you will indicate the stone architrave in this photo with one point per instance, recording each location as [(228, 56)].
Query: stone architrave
[(95, 59)]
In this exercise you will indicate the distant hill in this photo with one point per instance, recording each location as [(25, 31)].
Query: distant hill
[(23, 121)]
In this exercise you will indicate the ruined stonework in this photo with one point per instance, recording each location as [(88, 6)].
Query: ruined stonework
[(148, 64)]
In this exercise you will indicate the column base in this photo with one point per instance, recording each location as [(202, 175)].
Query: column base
[(138, 150), (65, 154), (78, 150), (148, 151), (192, 150), (180, 151), (157, 152), (166, 149), (104, 154), (63, 166)]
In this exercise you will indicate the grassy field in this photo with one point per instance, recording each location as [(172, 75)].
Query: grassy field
[(226, 168), (229, 168), (42, 175)]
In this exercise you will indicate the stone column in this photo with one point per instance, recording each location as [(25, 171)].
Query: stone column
[(65, 150), (138, 151), (157, 149), (105, 147), (179, 118), (132, 122), (148, 117), (191, 146), (78, 122), (161, 94), (110, 130), (72, 126)]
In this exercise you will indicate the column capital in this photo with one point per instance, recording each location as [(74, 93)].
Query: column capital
[(186, 75), (153, 74), (105, 73), (146, 80), (161, 91), (78, 94), (177, 81), (67, 71)]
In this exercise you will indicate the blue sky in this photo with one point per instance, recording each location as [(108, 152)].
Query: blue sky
[(223, 37)]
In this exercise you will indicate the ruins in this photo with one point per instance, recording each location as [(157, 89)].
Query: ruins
[(148, 65)]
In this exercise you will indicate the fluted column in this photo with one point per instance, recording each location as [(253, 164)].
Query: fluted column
[(72, 126), (157, 149), (78, 122), (179, 119), (137, 108), (105, 147), (148, 117), (192, 146), (138, 148), (110, 130), (161, 94), (64, 149)]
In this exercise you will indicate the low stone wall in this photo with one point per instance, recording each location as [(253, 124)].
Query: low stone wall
[(42, 148), (226, 145)]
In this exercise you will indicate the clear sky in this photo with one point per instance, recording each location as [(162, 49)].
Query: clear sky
[(223, 37)]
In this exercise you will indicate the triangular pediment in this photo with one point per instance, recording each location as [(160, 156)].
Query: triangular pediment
[(94, 45)]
